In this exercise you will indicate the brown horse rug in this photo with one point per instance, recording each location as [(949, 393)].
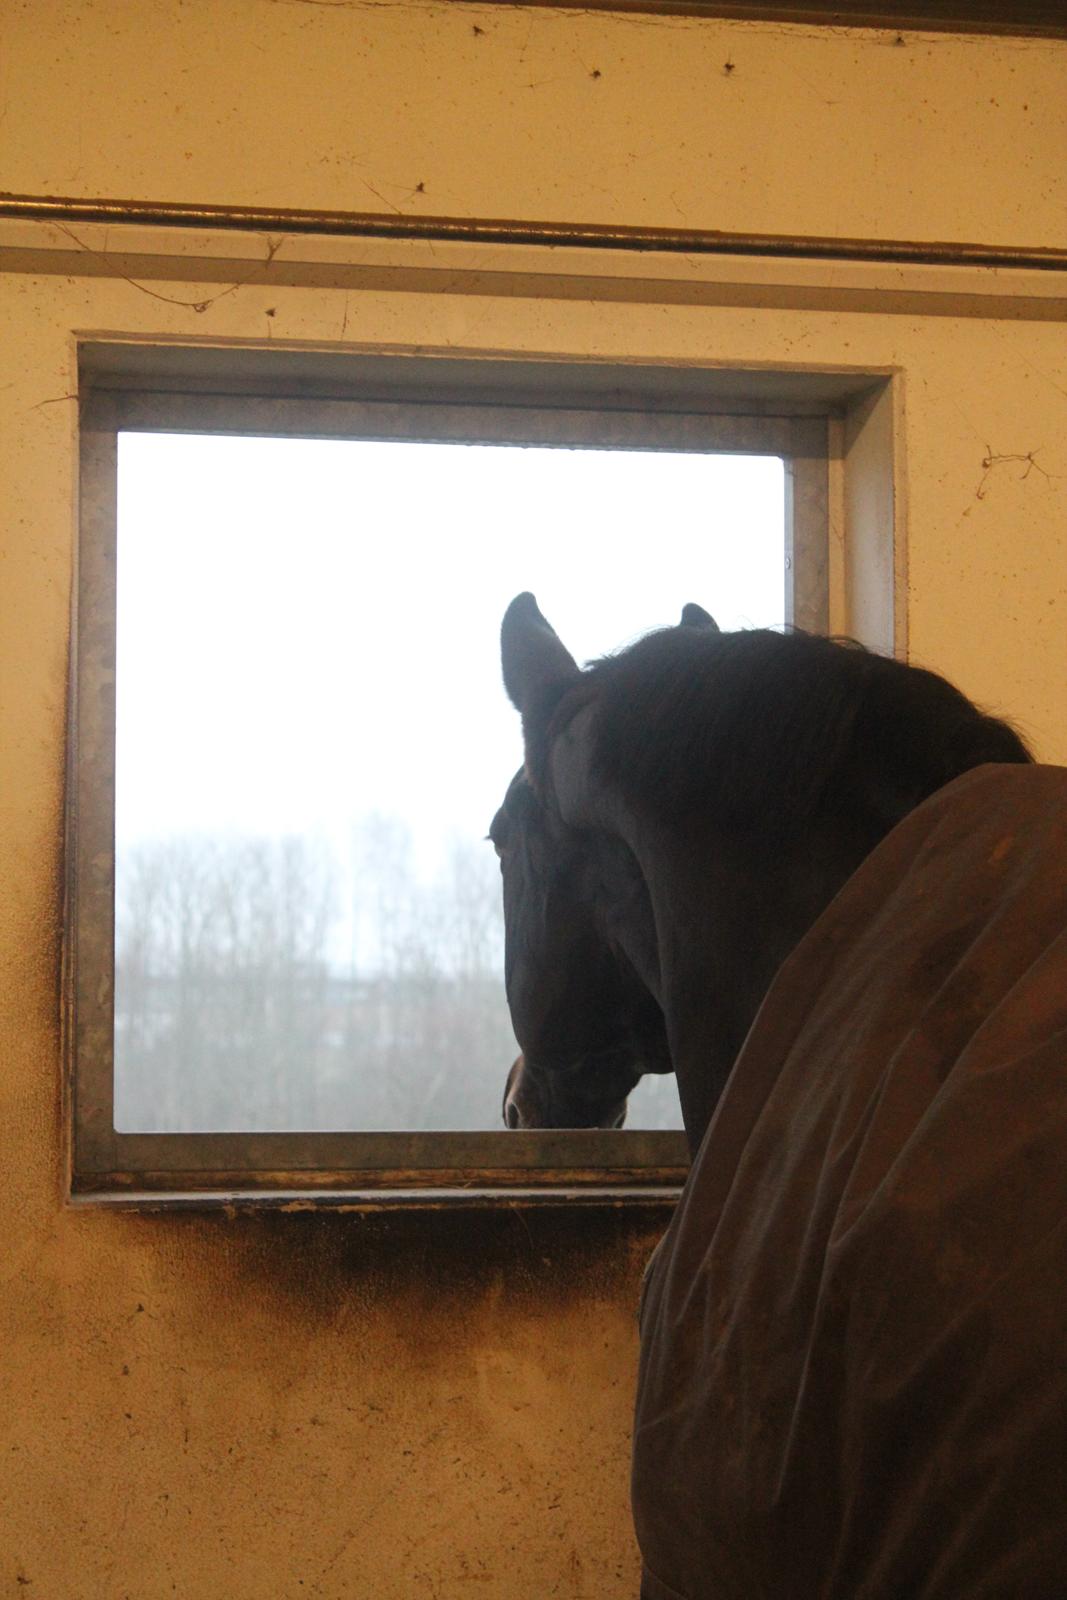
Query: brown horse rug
[(853, 1375)]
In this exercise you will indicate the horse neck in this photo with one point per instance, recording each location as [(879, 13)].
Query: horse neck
[(727, 913)]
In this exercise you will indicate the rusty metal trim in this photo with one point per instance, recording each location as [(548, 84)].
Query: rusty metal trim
[(353, 1159), (614, 1197), (546, 1159), (500, 231)]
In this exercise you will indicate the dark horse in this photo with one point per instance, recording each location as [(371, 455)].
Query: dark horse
[(686, 810), (706, 817)]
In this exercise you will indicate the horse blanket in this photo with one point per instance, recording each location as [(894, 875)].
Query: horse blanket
[(853, 1377)]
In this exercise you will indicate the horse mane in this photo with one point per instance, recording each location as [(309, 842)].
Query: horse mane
[(781, 731)]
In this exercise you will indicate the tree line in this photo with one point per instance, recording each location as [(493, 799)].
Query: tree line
[(260, 986)]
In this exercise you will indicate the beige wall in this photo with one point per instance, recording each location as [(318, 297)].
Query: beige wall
[(518, 112), (300, 1405)]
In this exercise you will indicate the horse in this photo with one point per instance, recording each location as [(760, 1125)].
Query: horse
[(710, 829), (809, 752)]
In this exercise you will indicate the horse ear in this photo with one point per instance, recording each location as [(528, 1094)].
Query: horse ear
[(537, 666), (694, 616)]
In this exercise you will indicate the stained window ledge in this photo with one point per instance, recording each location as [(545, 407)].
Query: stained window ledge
[(647, 1197)]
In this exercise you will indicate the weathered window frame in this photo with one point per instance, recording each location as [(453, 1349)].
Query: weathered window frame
[(238, 392)]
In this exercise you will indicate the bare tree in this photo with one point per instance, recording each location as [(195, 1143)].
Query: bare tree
[(235, 1009), (232, 1010)]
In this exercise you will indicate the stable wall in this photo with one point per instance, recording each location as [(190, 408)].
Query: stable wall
[(335, 1405)]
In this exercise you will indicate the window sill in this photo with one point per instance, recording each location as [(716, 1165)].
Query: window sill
[(647, 1197)]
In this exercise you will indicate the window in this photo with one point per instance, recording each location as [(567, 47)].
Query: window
[(289, 736)]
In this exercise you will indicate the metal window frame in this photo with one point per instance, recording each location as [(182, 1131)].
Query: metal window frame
[(546, 404)]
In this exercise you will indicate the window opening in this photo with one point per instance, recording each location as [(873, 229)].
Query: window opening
[(311, 735), (283, 962)]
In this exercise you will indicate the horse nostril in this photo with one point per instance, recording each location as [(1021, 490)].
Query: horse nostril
[(511, 1114)]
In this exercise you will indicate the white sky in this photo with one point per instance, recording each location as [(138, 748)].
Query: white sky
[(308, 629)]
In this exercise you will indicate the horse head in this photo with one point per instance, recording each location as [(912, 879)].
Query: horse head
[(589, 1021), (686, 810)]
